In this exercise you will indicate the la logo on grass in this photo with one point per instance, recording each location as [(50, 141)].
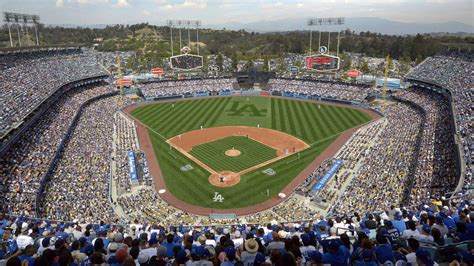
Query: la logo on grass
[(218, 197), (240, 108)]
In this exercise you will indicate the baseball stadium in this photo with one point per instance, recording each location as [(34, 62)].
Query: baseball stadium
[(180, 152)]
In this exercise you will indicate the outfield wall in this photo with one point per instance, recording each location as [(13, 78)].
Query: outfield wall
[(255, 92)]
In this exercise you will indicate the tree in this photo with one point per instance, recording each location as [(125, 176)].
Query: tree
[(365, 67), (219, 61)]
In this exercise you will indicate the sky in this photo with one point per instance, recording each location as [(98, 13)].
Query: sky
[(214, 12)]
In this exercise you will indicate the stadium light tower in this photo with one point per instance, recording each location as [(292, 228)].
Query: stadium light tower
[(26, 20), (184, 24), (314, 22)]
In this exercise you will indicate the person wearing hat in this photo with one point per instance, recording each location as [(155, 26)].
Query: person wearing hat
[(250, 252), (425, 233), (202, 239), (337, 254), (399, 223), (230, 257), (439, 224), (204, 255), (110, 257), (307, 247)]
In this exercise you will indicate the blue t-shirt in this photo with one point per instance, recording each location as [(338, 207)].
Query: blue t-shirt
[(339, 258), (384, 252), (26, 261), (400, 225), (450, 223), (169, 249)]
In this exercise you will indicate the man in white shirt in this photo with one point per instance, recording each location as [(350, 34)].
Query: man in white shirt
[(411, 231)]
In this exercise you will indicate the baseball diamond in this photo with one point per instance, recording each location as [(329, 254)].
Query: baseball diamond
[(252, 153), (315, 124)]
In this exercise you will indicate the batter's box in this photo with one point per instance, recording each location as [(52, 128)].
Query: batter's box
[(269, 171), (186, 168)]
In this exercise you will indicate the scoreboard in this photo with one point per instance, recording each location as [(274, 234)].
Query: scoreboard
[(186, 62), (322, 62)]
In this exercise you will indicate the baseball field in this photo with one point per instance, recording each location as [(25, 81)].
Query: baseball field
[(189, 148)]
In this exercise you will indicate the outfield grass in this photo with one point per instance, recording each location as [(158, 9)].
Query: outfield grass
[(252, 153), (317, 125)]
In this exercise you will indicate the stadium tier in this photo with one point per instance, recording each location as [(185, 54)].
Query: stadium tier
[(174, 179), (30, 78)]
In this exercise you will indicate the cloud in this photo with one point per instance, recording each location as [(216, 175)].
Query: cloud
[(122, 3), (186, 4), (194, 4), (59, 3), (146, 13)]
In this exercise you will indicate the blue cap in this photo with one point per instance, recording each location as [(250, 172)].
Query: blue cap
[(426, 228), (153, 241), (230, 253), (182, 257)]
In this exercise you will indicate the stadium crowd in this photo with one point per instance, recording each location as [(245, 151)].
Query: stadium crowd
[(385, 165), (30, 78), (435, 173), (25, 164), (414, 143), (454, 73), (419, 236), (322, 89), (168, 88), (79, 186)]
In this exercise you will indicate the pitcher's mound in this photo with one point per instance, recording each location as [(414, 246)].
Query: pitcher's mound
[(232, 152), (224, 179)]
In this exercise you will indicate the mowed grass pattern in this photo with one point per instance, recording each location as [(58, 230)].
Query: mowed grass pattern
[(316, 124), (252, 153)]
